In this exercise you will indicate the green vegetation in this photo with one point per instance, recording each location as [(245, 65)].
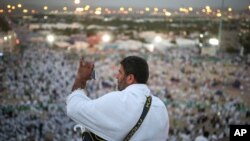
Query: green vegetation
[(245, 42), (4, 26)]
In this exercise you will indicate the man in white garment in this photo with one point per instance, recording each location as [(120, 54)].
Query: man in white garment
[(112, 116)]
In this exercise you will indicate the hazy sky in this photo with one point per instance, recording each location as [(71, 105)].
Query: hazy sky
[(235, 4)]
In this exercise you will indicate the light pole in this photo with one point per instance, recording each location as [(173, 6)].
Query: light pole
[(221, 22)]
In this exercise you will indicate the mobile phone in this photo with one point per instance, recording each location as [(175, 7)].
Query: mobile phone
[(93, 74)]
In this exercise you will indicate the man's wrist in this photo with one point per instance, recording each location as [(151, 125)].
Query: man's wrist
[(79, 83)]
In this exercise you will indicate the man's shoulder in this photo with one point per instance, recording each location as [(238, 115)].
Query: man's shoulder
[(113, 94), (158, 102)]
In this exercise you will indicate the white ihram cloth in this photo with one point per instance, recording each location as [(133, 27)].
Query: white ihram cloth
[(113, 115)]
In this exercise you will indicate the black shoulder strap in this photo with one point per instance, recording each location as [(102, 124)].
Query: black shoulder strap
[(139, 122), (89, 136)]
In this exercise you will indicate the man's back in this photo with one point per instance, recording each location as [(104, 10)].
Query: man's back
[(114, 115)]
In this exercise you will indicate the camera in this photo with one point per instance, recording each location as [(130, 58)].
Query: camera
[(93, 75)]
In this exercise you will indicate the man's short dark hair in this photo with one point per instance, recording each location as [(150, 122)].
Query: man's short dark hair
[(137, 66)]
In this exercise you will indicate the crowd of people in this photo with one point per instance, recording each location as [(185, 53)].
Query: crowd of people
[(204, 95)]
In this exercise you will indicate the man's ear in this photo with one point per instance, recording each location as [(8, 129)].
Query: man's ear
[(131, 79)]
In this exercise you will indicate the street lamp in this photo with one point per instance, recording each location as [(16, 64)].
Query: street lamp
[(213, 42), (50, 38), (45, 8), (65, 8), (106, 38), (157, 39), (19, 5), (77, 1), (5, 38)]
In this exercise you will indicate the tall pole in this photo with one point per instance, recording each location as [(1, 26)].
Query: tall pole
[(221, 22)]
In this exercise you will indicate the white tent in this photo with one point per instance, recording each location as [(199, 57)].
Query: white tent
[(62, 44), (181, 42), (129, 45)]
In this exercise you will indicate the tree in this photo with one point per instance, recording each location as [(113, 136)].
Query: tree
[(4, 24), (245, 42)]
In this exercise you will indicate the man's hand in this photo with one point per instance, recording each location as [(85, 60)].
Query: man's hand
[(83, 74)]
